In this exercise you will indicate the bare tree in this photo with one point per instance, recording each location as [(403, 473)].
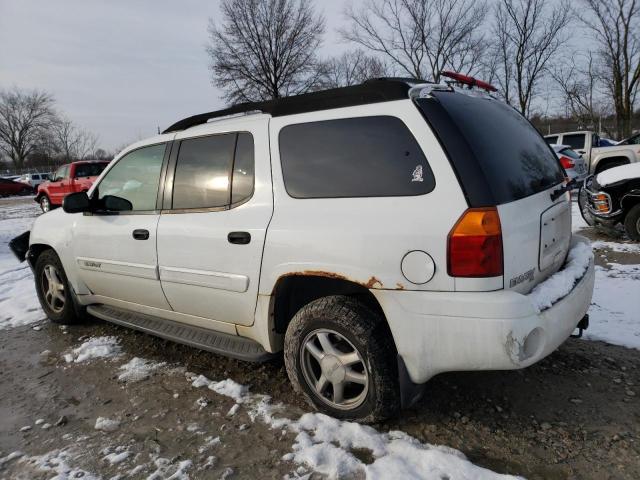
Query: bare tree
[(580, 84), (25, 118), (352, 68), (527, 33), (420, 37), (265, 49), (615, 25), (72, 142)]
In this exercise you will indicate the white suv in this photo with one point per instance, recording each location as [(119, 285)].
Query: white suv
[(376, 234)]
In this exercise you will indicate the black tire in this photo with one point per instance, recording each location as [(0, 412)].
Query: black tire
[(64, 308), (43, 201), (632, 223), (582, 206), (366, 332)]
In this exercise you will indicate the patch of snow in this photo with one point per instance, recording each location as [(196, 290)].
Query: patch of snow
[(58, 462), (560, 283), (115, 458), (325, 444), (26, 428), (95, 347), (614, 316), (164, 469), (138, 369), (616, 174), (622, 247), (227, 387), (233, 410), (39, 421), (11, 456), (106, 424), (209, 442)]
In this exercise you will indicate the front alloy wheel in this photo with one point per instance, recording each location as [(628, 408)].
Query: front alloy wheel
[(45, 204), (53, 288)]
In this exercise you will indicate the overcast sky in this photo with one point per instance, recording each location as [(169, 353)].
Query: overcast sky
[(119, 68)]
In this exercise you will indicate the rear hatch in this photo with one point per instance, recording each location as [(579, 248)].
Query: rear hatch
[(502, 161)]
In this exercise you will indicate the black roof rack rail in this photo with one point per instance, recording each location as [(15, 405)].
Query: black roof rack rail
[(371, 91)]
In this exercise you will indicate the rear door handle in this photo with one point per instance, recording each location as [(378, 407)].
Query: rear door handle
[(141, 234), (239, 238)]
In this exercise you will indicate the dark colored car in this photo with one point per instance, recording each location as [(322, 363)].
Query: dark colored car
[(613, 197), (11, 187)]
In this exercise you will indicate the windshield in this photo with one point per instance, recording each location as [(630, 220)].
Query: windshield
[(492, 147)]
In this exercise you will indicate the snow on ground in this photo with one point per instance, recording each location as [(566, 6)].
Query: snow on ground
[(326, 444), (18, 302), (95, 347), (614, 316), (138, 369)]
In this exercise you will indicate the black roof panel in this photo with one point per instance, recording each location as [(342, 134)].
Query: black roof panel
[(372, 91)]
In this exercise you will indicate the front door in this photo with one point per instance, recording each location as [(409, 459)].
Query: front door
[(115, 247), (211, 235), (58, 184)]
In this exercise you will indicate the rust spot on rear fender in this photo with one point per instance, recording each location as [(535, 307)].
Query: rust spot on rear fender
[(371, 283)]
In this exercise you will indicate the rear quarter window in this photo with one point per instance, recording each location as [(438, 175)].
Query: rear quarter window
[(353, 157), (575, 140)]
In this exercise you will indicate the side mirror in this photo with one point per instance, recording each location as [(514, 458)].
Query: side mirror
[(113, 203), (76, 203)]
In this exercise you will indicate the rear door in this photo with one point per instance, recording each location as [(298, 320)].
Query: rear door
[(518, 174), (218, 202)]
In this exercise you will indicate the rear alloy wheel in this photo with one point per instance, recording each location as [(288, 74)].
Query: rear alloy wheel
[(339, 354), (632, 223), (45, 204), (55, 294)]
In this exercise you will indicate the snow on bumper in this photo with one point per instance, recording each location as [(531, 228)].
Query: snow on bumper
[(439, 332)]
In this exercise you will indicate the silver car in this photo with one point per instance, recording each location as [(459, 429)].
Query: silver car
[(572, 162)]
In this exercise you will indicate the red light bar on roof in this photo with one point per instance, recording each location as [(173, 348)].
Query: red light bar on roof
[(467, 80)]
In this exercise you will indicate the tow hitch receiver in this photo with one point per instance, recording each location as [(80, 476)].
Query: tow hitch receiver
[(583, 324)]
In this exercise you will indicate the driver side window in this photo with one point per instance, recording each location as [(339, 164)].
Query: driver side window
[(135, 178), (61, 174)]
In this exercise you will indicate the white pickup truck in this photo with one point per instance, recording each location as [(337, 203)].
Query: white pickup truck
[(597, 158)]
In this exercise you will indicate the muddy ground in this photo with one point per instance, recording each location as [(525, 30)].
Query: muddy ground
[(576, 414)]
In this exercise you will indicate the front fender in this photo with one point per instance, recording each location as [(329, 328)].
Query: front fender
[(55, 229)]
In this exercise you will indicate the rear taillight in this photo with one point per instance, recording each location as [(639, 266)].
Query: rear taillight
[(566, 162), (475, 244)]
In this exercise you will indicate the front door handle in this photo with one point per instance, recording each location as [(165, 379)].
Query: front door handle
[(239, 238), (141, 234)]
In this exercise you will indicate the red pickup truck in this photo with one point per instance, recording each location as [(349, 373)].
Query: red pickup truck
[(69, 178)]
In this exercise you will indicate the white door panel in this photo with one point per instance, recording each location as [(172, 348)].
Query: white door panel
[(114, 264), (201, 271)]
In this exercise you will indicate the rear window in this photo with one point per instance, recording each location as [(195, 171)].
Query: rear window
[(353, 157), (575, 140), (89, 169), (498, 155), (567, 152)]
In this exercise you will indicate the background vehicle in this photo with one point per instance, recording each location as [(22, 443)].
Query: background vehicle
[(33, 179), (597, 158), (69, 178), (350, 229), (572, 162), (613, 197), (633, 140), (11, 187)]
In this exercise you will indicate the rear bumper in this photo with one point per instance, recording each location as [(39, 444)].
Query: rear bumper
[(439, 332)]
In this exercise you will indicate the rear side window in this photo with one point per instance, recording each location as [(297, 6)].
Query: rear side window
[(353, 157), (89, 169), (575, 140), (567, 152), (498, 155), (551, 140), (214, 171)]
